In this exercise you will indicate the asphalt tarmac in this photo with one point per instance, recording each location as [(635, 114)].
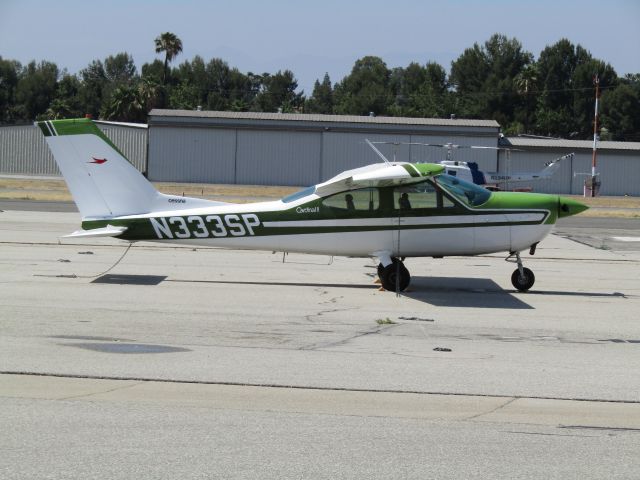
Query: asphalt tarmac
[(204, 363)]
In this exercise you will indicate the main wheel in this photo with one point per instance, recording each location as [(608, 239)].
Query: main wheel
[(395, 275), (523, 282)]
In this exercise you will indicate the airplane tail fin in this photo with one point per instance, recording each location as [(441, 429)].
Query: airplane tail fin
[(101, 180)]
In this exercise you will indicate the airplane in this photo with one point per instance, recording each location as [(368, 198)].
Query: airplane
[(470, 172), (388, 211)]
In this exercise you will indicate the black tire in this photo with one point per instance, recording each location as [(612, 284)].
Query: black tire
[(389, 276), (524, 282)]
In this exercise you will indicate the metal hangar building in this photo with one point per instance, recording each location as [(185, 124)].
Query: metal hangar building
[(297, 149)]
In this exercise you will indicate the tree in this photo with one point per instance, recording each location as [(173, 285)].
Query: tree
[(193, 74), (565, 105), (148, 94), (584, 93), (171, 45), (9, 71), (621, 110), (420, 91), (366, 89), (184, 97), (321, 100), (468, 75), (125, 105), (36, 88), (556, 66), (217, 72), (120, 69), (278, 93), (92, 91), (153, 71), (525, 83), (66, 103), (483, 78)]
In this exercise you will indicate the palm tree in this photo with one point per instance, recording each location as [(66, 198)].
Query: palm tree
[(525, 82), (171, 45)]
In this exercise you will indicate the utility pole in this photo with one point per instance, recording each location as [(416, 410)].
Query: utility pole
[(594, 178)]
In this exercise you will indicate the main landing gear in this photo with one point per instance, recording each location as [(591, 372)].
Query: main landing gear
[(522, 278), (394, 277)]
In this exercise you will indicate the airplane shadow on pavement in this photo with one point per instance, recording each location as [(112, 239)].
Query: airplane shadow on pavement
[(123, 279), (481, 293), (463, 292), (437, 291)]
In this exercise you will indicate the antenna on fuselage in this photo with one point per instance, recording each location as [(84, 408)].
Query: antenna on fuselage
[(378, 152)]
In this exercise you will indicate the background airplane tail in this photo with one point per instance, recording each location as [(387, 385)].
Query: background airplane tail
[(553, 165), (101, 180)]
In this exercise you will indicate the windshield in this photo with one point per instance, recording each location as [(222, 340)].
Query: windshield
[(298, 195), (468, 193)]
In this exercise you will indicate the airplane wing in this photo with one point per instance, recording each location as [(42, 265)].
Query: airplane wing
[(108, 231), (380, 176)]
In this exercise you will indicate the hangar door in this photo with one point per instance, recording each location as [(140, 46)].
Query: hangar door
[(201, 155), (277, 157)]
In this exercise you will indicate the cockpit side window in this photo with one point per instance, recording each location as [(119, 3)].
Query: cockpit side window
[(419, 196)]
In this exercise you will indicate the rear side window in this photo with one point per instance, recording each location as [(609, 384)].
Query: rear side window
[(366, 199)]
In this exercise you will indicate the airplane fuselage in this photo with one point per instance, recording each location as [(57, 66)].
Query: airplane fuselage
[(439, 226)]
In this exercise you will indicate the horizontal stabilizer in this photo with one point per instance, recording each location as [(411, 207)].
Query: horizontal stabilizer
[(108, 231)]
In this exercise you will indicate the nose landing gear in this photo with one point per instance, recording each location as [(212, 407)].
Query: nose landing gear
[(522, 278)]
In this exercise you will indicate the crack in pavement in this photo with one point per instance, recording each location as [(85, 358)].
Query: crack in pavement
[(319, 388), (85, 395), (499, 407)]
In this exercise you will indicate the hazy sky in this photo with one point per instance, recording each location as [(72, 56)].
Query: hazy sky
[(311, 38)]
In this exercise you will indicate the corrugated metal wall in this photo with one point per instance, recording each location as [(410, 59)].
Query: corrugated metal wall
[(619, 172), (277, 157), (132, 141), (24, 151), (202, 155)]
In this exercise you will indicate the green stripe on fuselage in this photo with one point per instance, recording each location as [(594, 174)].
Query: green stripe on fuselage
[(411, 170), (312, 217)]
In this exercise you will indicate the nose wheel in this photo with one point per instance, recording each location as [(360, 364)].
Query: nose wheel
[(394, 277), (522, 278)]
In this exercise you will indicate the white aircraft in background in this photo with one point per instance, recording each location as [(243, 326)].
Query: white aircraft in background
[(389, 211), (470, 172)]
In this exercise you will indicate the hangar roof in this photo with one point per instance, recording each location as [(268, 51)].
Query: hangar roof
[(305, 117), (570, 144)]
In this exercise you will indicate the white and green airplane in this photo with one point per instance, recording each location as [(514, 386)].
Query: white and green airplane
[(388, 211)]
